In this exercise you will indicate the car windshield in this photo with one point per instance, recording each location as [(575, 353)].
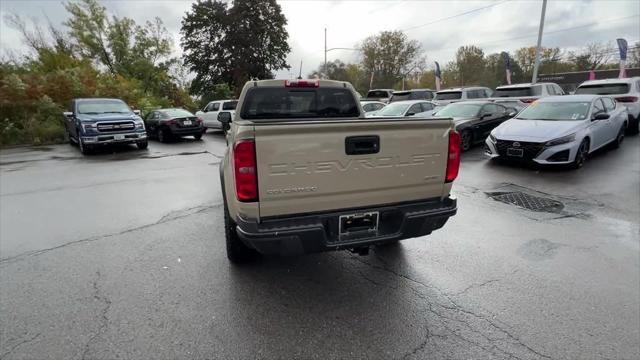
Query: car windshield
[(102, 107), (460, 110), (377, 94), (177, 113), (449, 95), (513, 92), (560, 111), (603, 89), (394, 109), (229, 105), (275, 103)]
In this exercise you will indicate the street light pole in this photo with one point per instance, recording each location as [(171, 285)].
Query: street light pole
[(534, 78), (325, 52)]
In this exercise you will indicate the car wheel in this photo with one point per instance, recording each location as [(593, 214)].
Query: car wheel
[(581, 155), (84, 149), (466, 140), (162, 135), (142, 145), (620, 138), (634, 125), (237, 251), (197, 136)]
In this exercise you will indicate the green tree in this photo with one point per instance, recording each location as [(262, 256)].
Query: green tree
[(389, 56), (233, 45)]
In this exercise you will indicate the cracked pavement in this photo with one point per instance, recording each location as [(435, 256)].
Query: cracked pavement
[(121, 255)]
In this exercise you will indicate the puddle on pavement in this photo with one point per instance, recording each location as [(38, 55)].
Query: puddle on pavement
[(539, 249)]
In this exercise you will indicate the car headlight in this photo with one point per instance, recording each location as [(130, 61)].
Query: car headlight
[(562, 140), (89, 127), (139, 124), (492, 138)]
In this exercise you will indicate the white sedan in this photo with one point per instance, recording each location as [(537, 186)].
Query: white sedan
[(559, 130), (369, 106), (408, 108)]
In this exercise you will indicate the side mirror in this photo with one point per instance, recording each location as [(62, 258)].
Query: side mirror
[(409, 114), (137, 112), (67, 114), (512, 113), (601, 116), (484, 116)]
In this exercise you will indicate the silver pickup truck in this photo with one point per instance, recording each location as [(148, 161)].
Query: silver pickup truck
[(305, 172)]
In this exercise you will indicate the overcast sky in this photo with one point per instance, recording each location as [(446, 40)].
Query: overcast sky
[(493, 25)]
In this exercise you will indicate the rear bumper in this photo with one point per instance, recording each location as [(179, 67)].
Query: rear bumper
[(319, 232), (186, 131)]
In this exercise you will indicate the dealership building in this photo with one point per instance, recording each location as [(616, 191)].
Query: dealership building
[(569, 81)]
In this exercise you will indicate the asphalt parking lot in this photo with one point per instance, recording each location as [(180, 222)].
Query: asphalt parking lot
[(121, 255)]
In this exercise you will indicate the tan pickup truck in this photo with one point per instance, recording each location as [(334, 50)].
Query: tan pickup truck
[(305, 172)]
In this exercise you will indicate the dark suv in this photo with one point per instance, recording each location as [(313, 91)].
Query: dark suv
[(98, 122)]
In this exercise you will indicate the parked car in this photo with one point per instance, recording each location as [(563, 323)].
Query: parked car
[(167, 124), (292, 187), (369, 106), (625, 91), (93, 122), (527, 93), (415, 94), (474, 120), (515, 104), (444, 97), (209, 114), (560, 130), (382, 95), (415, 108)]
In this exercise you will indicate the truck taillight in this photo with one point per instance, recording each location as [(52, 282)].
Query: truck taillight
[(302, 83), (627, 99), (453, 156), (246, 172)]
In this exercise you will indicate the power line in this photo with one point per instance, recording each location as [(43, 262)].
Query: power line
[(455, 16), (545, 33)]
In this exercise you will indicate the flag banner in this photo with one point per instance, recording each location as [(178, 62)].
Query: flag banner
[(438, 76), (592, 75), (623, 47), (507, 66)]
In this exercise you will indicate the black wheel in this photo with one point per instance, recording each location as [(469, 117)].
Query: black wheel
[(162, 134), (142, 145), (237, 251), (581, 155), (198, 136), (70, 139), (466, 140), (619, 139), (84, 149), (634, 125)]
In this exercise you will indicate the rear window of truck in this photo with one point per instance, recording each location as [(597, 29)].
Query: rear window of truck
[(377, 94), (603, 89), (449, 95), (516, 92), (282, 103)]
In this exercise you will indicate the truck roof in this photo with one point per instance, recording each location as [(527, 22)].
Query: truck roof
[(523, 85), (299, 83)]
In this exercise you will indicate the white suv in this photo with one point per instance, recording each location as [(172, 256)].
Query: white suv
[(527, 93), (444, 97), (625, 91), (209, 114)]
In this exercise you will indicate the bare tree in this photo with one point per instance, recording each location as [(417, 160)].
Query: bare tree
[(593, 56)]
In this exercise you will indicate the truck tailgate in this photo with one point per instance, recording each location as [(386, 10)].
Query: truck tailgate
[(304, 167)]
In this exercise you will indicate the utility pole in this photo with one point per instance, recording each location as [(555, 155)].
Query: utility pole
[(325, 52), (534, 78)]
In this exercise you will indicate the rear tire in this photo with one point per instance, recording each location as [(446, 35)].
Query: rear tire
[(634, 125), (466, 140), (619, 138), (162, 134), (581, 155), (237, 251), (198, 136)]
